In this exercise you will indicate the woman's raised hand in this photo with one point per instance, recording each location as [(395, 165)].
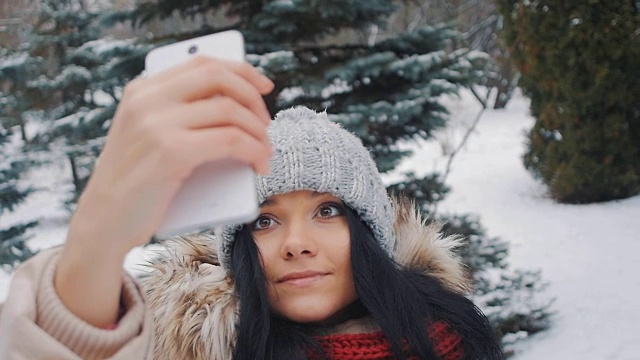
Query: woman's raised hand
[(166, 125)]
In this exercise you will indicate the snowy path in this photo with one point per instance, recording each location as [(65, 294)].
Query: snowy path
[(590, 254)]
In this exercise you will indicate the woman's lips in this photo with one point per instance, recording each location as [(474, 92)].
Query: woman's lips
[(302, 279)]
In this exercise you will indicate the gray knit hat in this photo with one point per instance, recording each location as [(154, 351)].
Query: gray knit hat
[(313, 153)]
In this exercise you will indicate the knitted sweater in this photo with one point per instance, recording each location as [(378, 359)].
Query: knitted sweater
[(446, 343)]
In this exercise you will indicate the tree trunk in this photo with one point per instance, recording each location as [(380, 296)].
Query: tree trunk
[(74, 174), (23, 131), (506, 84)]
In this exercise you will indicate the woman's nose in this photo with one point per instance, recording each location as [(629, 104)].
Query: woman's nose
[(299, 241)]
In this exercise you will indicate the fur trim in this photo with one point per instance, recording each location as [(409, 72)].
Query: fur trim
[(421, 247), (193, 302)]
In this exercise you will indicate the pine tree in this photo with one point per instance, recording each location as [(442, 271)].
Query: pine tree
[(579, 62), (510, 298), (13, 246), (479, 22), (17, 67), (79, 90)]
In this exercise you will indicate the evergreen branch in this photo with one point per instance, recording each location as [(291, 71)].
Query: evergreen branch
[(331, 48), (203, 30), (53, 153)]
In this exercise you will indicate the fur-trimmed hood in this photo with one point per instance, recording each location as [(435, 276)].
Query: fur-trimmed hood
[(193, 302)]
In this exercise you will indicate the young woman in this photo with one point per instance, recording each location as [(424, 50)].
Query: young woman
[(330, 268)]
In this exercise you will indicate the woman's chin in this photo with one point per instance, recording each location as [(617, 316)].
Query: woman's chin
[(320, 316), (308, 315)]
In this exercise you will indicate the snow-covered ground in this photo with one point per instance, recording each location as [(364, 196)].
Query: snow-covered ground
[(588, 253)]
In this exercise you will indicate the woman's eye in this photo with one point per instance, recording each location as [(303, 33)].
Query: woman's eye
[(262, 223), (327, 211)]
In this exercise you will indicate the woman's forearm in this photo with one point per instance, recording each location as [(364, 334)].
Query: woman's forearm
[(89, 278)]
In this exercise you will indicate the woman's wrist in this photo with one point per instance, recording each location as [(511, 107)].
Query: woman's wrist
[(89, 278), (93, 228)]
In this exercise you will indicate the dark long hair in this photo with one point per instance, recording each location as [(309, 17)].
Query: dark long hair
[(401, 302)]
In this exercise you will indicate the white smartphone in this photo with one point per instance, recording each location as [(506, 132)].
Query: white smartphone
[(216, 193)]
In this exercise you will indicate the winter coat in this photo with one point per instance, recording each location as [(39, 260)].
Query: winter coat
[(184, 306)]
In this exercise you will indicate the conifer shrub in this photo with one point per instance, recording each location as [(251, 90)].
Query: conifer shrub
[(580, 66)]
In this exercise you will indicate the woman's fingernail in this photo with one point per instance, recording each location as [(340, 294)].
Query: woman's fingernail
[(267, 84)]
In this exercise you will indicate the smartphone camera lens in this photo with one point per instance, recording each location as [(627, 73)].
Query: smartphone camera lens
[(193, 49)]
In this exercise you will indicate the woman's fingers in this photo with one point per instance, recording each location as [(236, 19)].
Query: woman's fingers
[(205, 77), (220, 111), (244, 69), (195, 85), (221, 107), (166, 125), (228, 142), (251, 74)]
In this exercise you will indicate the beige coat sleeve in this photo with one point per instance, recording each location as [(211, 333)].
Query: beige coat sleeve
[(34, 324)]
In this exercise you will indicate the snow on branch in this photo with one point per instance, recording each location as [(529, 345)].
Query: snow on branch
[(70, 75)]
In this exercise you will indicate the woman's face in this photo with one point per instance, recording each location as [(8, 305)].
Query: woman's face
[(304, 241)]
